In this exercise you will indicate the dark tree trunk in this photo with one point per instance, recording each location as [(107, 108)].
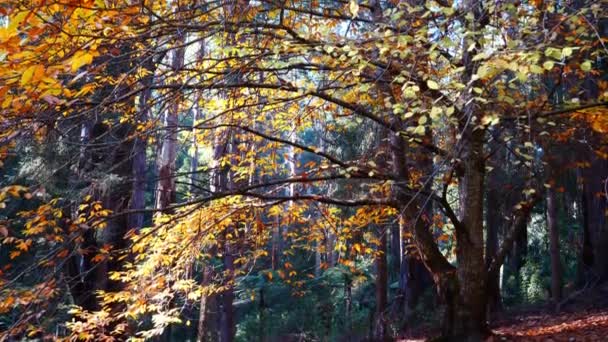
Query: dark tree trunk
[(204, 326), (136, 220), (348, 299), (380, 328), (227, 311), (470, 245), (595, 206), (493, 224)]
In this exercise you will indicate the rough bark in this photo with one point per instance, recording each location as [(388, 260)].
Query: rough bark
[(470, 244), (493, 223)]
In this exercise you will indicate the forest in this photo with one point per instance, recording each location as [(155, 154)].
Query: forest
[(303, 170)]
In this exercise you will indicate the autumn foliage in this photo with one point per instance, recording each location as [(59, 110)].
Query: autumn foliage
[(166, 163)]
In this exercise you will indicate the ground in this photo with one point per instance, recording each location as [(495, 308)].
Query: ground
[(587, 325), (585, 318)]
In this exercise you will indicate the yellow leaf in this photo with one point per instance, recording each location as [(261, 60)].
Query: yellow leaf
[(27, 75), (354, 8), (80, 59)]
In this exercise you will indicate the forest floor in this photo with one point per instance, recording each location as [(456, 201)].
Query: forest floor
[(585, 325), (584, 318)]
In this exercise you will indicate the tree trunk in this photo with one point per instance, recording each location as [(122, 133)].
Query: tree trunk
[(204, 325), (348, 298), (380, 328), (165, 189), (136, 220), (556, 267), (595, 206), (194, 179), (470, 245), (493, 223), (227, 311), (227, 327)]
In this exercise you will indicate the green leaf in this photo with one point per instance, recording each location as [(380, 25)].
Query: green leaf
[(586, 66), (432, 84), (535, 69)]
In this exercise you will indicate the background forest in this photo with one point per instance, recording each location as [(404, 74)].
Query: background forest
[(260, 170)]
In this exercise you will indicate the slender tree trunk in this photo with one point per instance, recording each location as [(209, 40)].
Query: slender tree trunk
[(165, 189), (136, 220), (348, 298), (277, 244), (553, 227), (227, 326), (380, 329), (218, 182), (194, 180), (203, 326), (227, 311)]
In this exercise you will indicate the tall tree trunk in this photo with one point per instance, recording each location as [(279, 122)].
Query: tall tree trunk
[(165, 189), (136, 219), (227, 311), (204, 322), (470, 244), (556, 267), (380, 328), (227, 324), (348, 303), (493, 224), (595, 206), (194, 179)]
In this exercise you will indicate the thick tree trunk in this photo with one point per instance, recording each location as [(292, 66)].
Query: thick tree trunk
[(443, 273), (470, 245), (595, 206), (556, 267), (493, 224)]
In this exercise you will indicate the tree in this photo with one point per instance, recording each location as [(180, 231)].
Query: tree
[(441, 85)]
